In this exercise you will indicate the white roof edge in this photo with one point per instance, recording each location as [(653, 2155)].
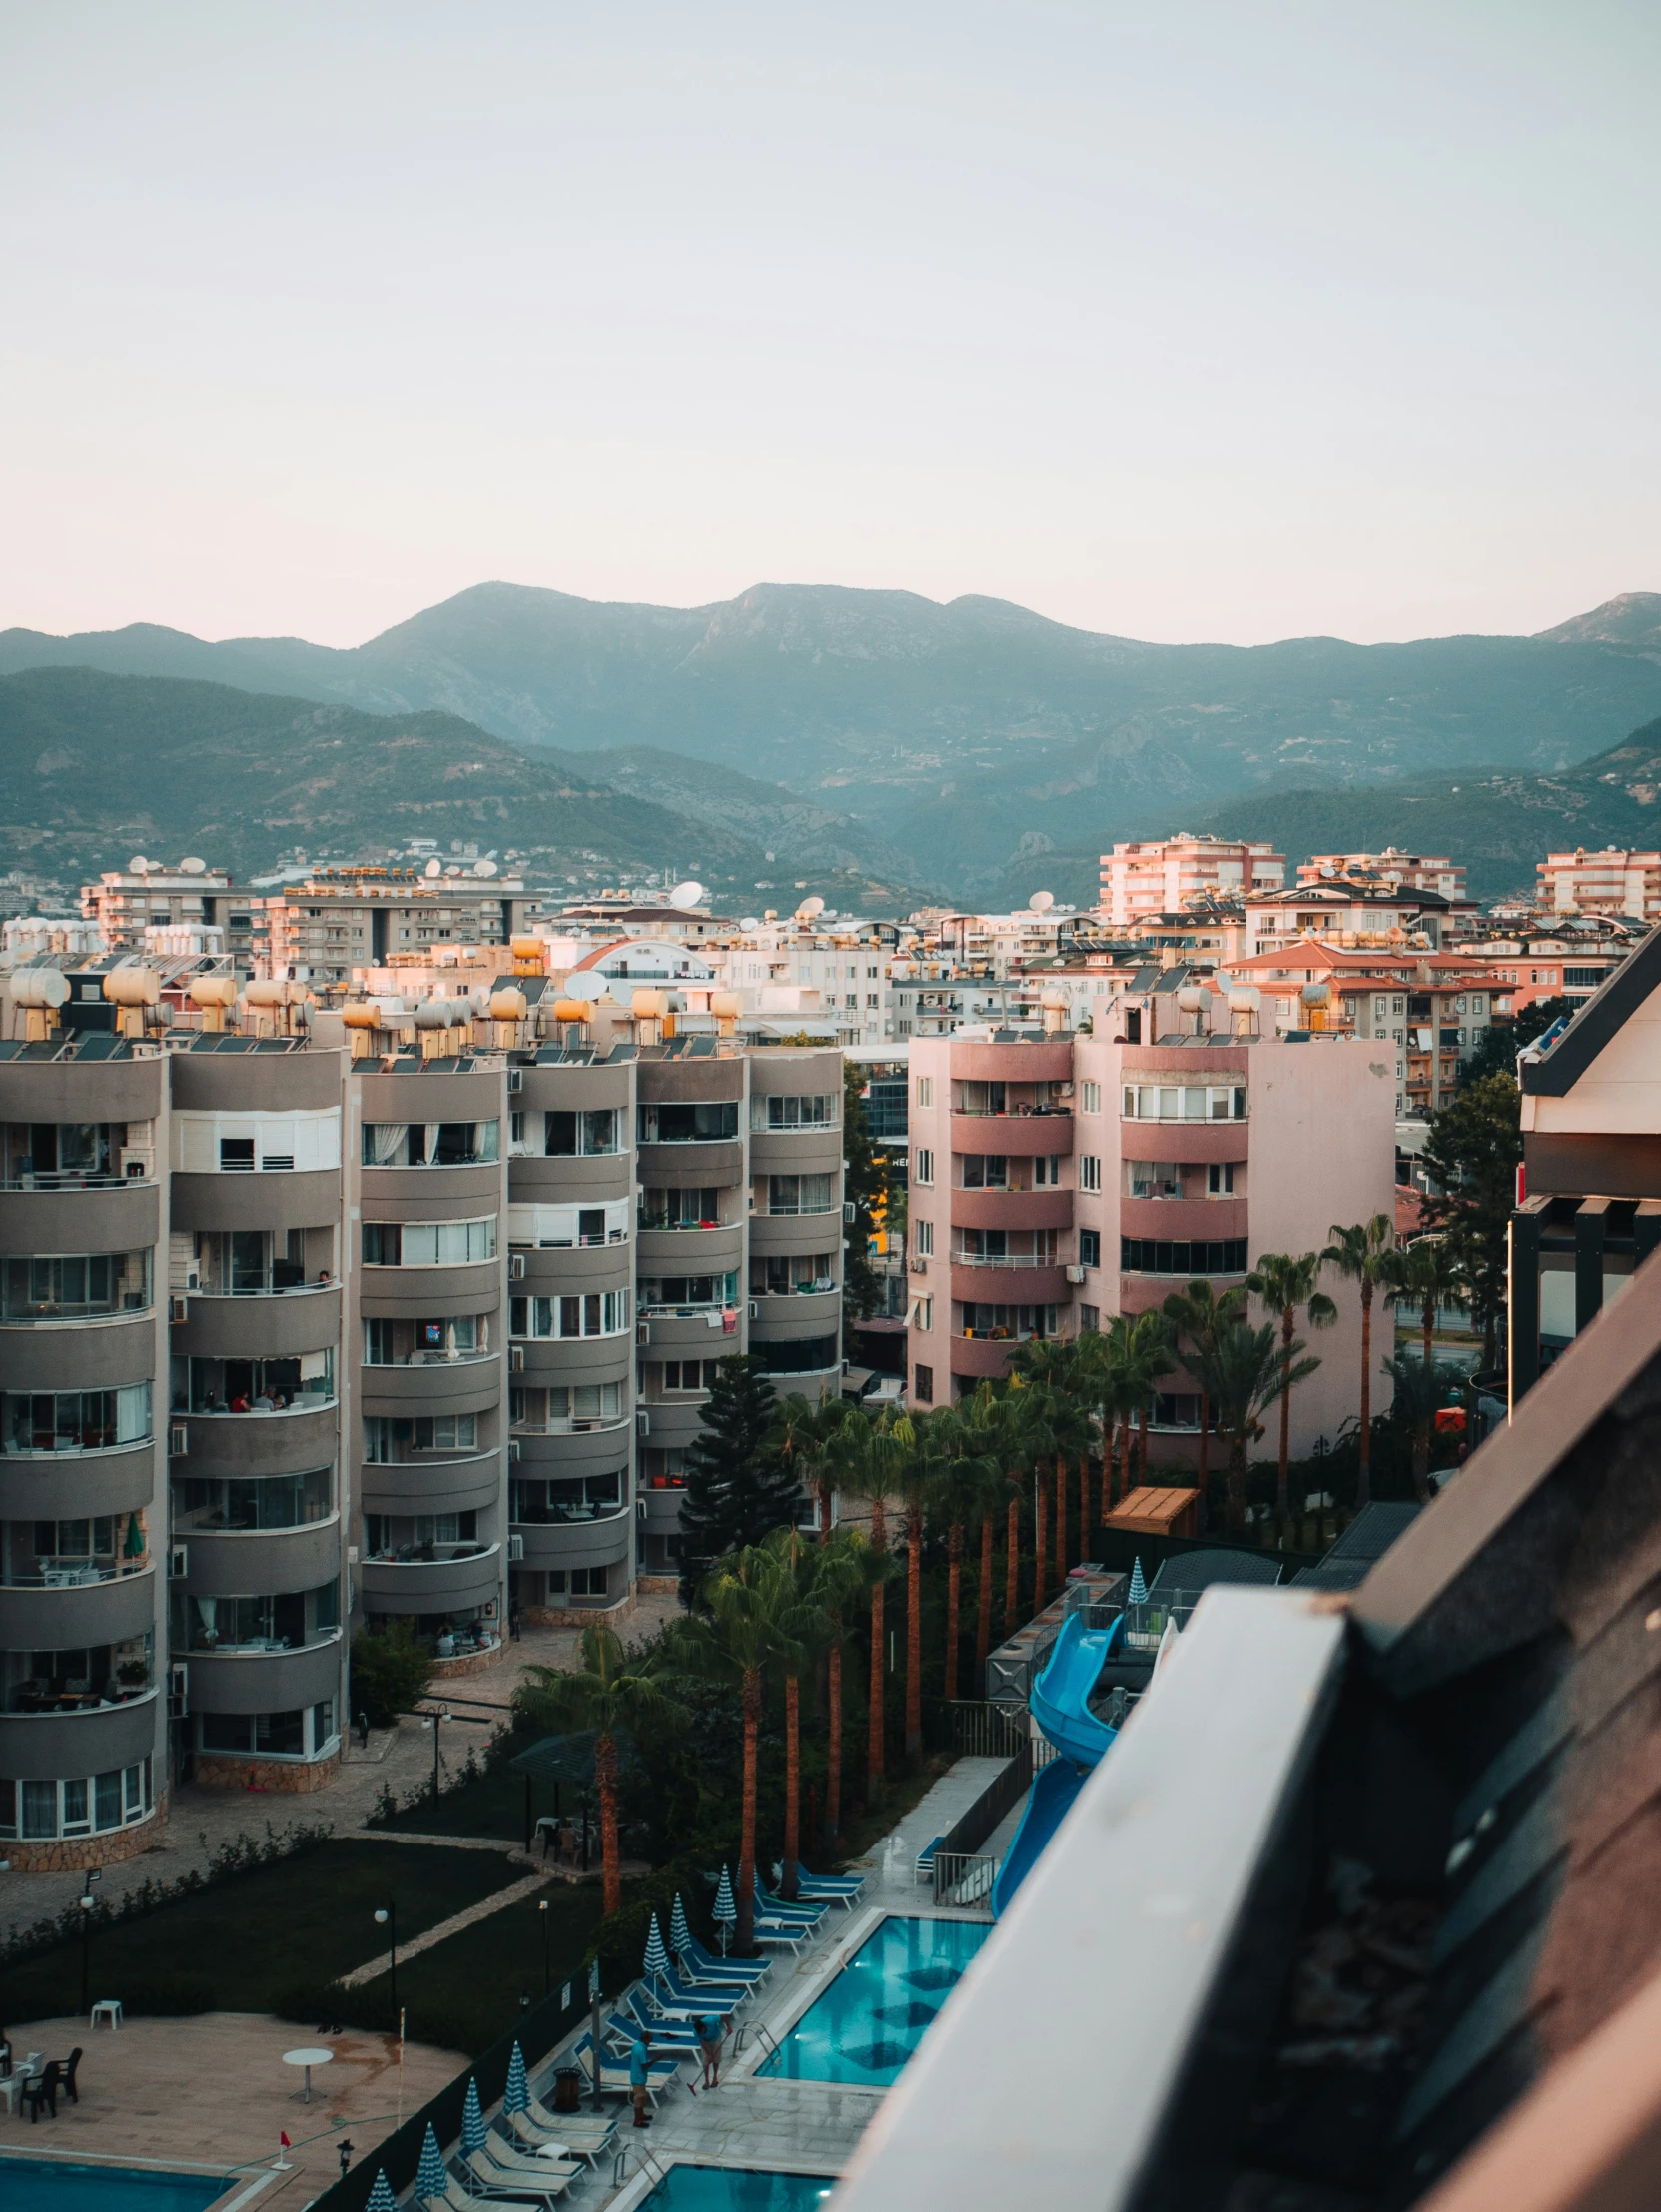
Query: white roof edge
[(1055, 2061)]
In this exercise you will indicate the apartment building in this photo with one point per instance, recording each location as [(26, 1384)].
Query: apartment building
[(318, 931), (148, 896), (1164, 875), (1610, 882), (1393, 867), (1057, 1181), (1347, 911), (1570, 962)]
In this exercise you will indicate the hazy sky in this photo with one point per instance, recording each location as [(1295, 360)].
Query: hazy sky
[(1183, 320)]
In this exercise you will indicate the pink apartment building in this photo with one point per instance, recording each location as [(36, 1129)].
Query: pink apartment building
[(1055, 1183), (1160, 874), (1610, 882)]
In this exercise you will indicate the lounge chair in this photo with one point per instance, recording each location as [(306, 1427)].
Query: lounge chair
[(709, 1996), (573, 2127), (457, 2199), (697, 1964), (661, 2073), (659, 2017), (769, 1930), (824, 1888), (776, 1909), (497, 2180), (572, 2143), (924, 1869), (504, 2152)]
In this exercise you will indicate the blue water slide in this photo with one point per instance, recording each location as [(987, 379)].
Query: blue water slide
[(1060, 1704)]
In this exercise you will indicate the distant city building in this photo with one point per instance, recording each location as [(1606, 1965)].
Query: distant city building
[(1610, 882), (1350, 910), (317, 930), (1164, 875), (148, 894), (1402, 870)]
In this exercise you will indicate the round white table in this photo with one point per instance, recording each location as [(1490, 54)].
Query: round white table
[(307, 2059)]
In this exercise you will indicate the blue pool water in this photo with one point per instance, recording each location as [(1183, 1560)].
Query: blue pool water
[(54, 2186), (736, 2189), (878, 2009)]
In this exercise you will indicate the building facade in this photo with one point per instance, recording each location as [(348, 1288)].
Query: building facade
[(1164, 875), (1610, 882), (1401, 871)]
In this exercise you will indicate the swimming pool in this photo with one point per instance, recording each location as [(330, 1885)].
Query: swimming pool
[(879, 2007), (736, 2189), (56, 2186)]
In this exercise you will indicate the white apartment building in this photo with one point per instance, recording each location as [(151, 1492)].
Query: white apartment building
[(1610, 882), (1160, 874)]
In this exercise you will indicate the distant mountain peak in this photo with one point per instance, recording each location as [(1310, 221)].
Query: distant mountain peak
[(1631, 618)]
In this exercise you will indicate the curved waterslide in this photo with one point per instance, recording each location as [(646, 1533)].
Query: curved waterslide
[(1060, 1704)]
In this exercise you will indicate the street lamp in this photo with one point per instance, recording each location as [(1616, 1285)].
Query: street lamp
[(386, 1916), (433, 1721), (546, 1982), (86, 1903)]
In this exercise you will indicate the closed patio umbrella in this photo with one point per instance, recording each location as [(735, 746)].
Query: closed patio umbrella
[(431, 2179), (517, 2097), (726, 1909), (381, 2196), (1138, 1593), (472, 2119), (657, 1958), (680, 1935)]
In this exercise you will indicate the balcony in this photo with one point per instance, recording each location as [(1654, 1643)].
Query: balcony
[(75, 1608), (107, 1684), (1014, 1136), (455, 1575), (1012, 1210)]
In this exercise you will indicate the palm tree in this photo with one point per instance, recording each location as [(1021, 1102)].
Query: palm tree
[(914, 1477), (801, 1632), (965, 1479), (1199, 1314), (1425, 1274), (807, 1429), (1284, 1285), (1242, 1372), (746, 1627), (1147, 1356), (866, 1455), (607, 1690), (841, 1570), (1361, 1253)]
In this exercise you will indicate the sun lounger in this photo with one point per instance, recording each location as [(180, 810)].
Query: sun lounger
[(587, 2128), (924, 1869), (824, 1885), (709, 1996), (697, 1964), (491, 2181), (672, 2024), (457, 2199), (572, 2142), (661, 2073), (781, 1931), (776, 1909)]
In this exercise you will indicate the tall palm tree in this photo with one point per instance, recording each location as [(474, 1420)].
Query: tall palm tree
[(1428, 1276), (915, 1474), (964, 1471), (802, 1631), (1199, 1314), (867, 1456), (807, 1428), (841, 1572), (1148, 1356), (607, 1690), (1243, 1372), (1362, 1254), (1284, 1283), (747, 1628)]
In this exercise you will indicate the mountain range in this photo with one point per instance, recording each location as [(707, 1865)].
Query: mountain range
[(967, 746)]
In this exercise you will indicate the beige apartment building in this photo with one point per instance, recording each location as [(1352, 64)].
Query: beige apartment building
[(1610, 882), (129, 904), (1392, 868), (1163, 875), (318, 931)]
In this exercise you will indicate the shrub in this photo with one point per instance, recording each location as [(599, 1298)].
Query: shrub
[(390, 1673)]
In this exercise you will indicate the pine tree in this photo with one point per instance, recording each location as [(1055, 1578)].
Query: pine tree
[(739, 1487)]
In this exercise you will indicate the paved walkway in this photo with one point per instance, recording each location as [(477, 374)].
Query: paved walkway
[(212, 2093), (201, 1822), (515, 1894)]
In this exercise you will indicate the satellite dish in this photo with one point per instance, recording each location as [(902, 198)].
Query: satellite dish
[(810, 906), (138, 865), (192, 866), (686, 894), (433, 867), (586, 982), (486, 868), (1041, 902)]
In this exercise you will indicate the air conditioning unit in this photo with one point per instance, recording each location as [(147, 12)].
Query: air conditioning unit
[(514, 1453), (755, 1309), (137, 1163), (643, 1421), (919, 1266), (1075, 1274), (515, 1547), (516, 1078), (178, 1562), (642, 1332), (515, 1266), (515, 1359), (178, 1440), (178, 1689)]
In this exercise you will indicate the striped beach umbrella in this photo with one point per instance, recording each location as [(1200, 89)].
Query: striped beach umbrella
[(472, 2120), (726, 1912), (381, 2196), (657, 1958), (517, 2097), (680, 1935), (430, 2178), (1139, 1589)]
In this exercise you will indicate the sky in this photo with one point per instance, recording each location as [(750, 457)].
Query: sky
[(1199, 321)]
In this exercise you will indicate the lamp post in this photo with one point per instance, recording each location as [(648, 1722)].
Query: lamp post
[(547, 1985), (433, 1721), (86, 1939), (387, 1917)]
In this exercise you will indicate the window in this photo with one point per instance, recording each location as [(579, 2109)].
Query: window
[(252, 1502), (73, 1288), (42, 1811), (984, 1171), (1143, 1256), (923, 1236), (922, 1313), (805, 1356), (1090, 1320), (1047, 1172), (1008, 1320), (1090, 1171), (681, 1209), (796, 1275), (699, 1121), (923, 1384), (400, 1343), (924, 1097), (1089, 1249), (816, 1110), (429, 1243), (596, 1313), (1145, 1101), (76, 1420), (1220, 1180), (800, 1194), (1176, 1409), (554, 1227), (290, 1622), (1092, 1099), (690, 1374), (575, 1498), (580, 1135), (430, 1144), (1152, 1178), (387, 1439), (236, 1156)]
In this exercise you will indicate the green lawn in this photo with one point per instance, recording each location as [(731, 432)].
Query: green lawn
[(490, 1804), (239, 1945), (465, 1991)]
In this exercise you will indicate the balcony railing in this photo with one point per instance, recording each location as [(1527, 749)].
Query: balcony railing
[(71, 1179), (41, 1694), (1006, 1259), (1010, 1113), (558, 1513), (257, 1647), (265, 1289), (435, 1360), (303, 1401), (77, 1574), (427, 1554), (823, 1287), (572, 1425)]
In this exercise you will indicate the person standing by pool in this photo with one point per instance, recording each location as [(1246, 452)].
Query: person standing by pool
[(639, 2060), (712, 2035)]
